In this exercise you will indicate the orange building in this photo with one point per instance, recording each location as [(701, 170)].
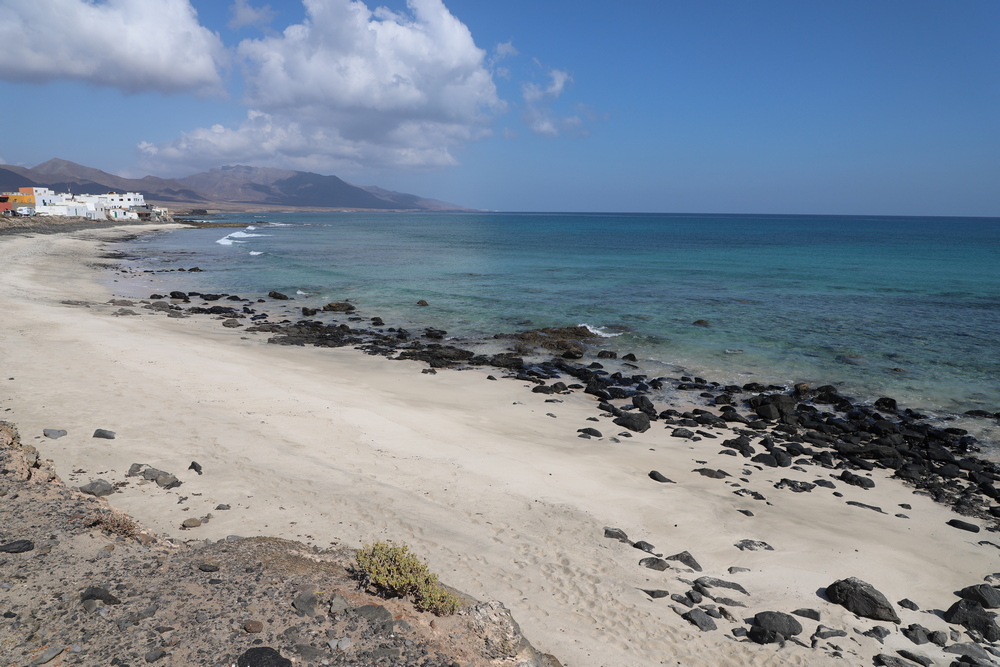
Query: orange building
[(23, 197)]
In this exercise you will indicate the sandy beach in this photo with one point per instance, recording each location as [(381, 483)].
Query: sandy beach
[(486, 480)]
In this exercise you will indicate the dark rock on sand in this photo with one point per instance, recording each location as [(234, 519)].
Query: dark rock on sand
[(863, 506), (54, 433), (907, 603), (861, 598), (656, 594), (773, 626), (195, 466), (857, 480), (642, 545), (753, 545), (797, 487), (811, 614), (103, 433), (713, 582), (655, 564), (655, 475), (262, 656), (99, 487), (17, 547), (617, 534), (964, 525), (633, 421), (714, 474), (687, 559), (590, 431), (984, 594), (277, 295), (699, 618), (972, 616), (918, 658), (916, 633), (971, 650), (878, 632), (823, 632), (886, 660)]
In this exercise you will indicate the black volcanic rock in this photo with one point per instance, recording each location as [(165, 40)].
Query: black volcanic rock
[(861, 598), (972, 616)]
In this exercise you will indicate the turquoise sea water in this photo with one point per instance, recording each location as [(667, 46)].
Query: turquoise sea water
[(904, 307)]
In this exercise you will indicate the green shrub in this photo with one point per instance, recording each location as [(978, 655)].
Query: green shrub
[(395, 572)]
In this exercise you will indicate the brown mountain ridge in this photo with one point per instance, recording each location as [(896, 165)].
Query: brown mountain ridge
[(227, 188)]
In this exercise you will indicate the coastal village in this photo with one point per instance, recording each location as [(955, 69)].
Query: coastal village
[(37, 201)]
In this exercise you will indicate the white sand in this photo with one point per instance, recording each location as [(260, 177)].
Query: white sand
[(504, 502)]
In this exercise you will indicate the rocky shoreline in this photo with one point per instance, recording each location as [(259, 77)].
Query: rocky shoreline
[(771, 425), (798, 428), (84, 584), (804, 471)]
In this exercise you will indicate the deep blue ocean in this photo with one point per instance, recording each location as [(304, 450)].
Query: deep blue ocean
[(901, 307)]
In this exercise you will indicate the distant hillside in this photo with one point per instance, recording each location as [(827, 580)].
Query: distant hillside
[(229, 187)]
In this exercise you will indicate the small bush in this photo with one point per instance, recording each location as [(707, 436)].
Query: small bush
[(395, 572), (116, 522)]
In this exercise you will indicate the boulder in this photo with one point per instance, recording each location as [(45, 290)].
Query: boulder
[(99, 487), (278, 295), (687, 559), (770, 627), (984, 594), (654, 564), (633, 421), (616, 534), (972, 616), (861, 598), (53, 433), (701, 619)]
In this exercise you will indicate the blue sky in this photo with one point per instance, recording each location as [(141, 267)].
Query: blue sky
[(853, 107)]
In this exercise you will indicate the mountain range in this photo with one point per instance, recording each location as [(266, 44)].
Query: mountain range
[(227, 188)]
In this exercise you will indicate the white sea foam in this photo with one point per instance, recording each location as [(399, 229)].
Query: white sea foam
[(225, 240), (255, 253), (250, 228), (244, 235), (298, 291), (597, 332)]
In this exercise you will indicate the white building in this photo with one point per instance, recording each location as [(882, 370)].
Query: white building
[(70, 209)]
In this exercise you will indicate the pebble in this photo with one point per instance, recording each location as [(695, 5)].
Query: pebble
[(48, 655)]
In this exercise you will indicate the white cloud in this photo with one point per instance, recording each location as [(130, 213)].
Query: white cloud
[(244, 14), (134, 45), (538, 104), (505, 50), (353, 86)]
